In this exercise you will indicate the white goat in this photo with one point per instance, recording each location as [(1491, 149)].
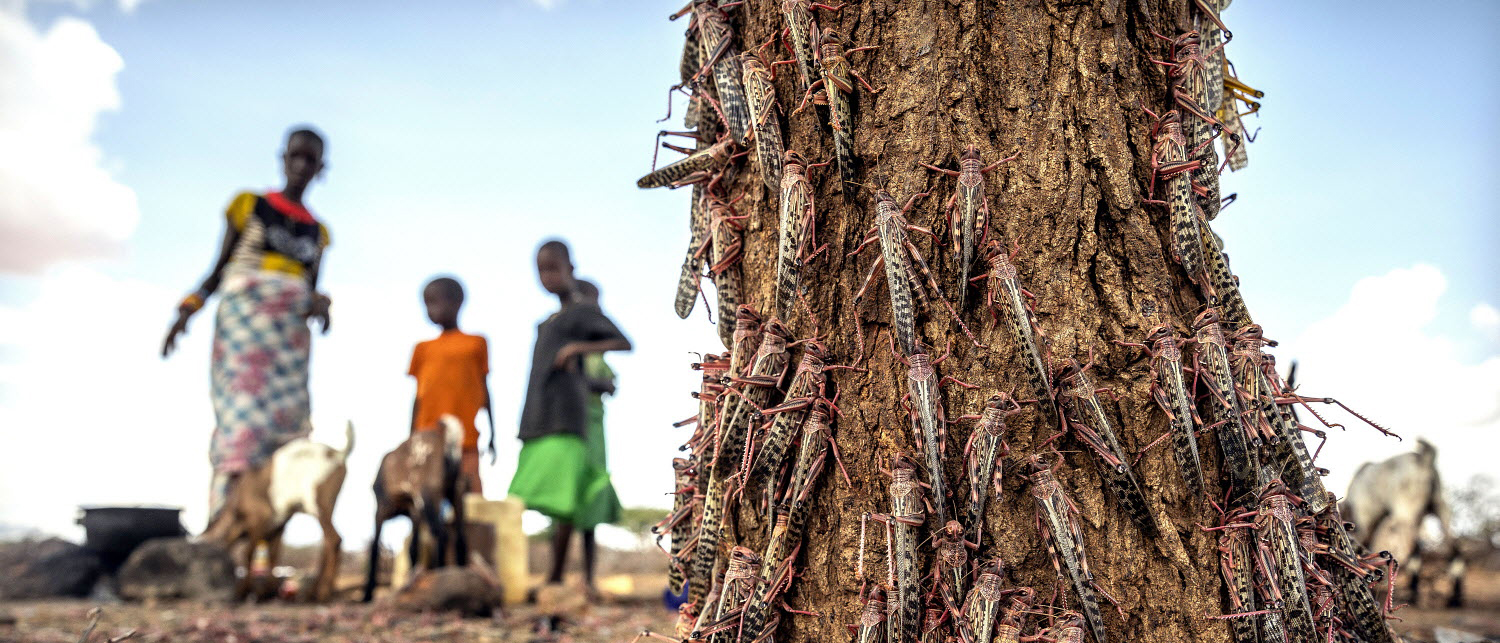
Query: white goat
[(1387, 501), (303, 476)]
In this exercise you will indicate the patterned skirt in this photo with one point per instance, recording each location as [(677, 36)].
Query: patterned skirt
[(259, 372)]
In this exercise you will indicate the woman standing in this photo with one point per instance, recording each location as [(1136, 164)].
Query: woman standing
[(267, 274)]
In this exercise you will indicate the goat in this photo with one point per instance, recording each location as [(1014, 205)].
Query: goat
[(302, 476), (413, 481), (1388, 500)]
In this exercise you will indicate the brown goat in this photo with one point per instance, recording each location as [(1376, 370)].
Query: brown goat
[(414, 480), (302, 476)]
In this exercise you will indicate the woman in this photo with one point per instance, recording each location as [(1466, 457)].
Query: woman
[(559, 473), (600, 505), (268, 269)]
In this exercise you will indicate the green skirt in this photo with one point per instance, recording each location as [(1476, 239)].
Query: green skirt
[(563, 476)]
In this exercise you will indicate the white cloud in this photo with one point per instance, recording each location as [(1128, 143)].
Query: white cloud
[(546, 4), (1377, 355), (88, 412), (16, 6), (1486, 319), (57, 199)]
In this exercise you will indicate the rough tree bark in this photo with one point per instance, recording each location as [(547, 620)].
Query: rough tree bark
[(1060, 82)]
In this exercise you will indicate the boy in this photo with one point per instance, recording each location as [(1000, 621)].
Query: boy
[(452, 373), (554, 475)]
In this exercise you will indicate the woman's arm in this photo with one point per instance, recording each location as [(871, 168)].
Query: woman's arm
[(186, 309), (320, 302), (571, 350), (596, 333)]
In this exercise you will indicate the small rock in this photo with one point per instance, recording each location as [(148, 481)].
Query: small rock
[(47, 569), (568, 603), (1450, 635), (165, 568), (461, 589)]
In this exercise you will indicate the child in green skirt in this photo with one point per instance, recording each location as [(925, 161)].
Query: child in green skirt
[(561, 470)]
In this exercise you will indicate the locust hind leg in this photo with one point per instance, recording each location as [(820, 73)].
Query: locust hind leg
[(937, 291)]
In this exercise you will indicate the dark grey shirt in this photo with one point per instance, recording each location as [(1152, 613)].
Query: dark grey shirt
[(555, 398)]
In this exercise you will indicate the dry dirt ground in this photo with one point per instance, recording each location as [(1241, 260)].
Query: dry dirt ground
[(65, 621), (635, 582)]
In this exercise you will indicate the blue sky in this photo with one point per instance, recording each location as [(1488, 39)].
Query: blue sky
[(462, 134)]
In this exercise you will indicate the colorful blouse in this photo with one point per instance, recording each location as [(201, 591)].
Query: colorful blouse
[(276, 235)]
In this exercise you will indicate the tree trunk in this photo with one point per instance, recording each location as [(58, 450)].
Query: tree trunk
[(1062, 85)]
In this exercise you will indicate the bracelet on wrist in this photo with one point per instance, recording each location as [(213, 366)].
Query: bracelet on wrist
[(191, 303)]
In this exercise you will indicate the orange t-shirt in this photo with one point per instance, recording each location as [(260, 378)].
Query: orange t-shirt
[(450, 372)]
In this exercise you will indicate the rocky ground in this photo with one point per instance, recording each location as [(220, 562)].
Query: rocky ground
[(633, 583), (1449, 626), (62, 621)]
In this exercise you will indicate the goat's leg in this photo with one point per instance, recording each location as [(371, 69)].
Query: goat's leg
[(432, 514), (414, 551), (460, 540), (246, 584), (328, 560), (273, 549), (374, 562), (273, 557)]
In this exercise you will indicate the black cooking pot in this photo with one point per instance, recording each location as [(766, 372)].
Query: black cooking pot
[(114, 532)]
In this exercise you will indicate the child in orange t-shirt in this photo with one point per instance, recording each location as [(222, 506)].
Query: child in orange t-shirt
[(451, 374)]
